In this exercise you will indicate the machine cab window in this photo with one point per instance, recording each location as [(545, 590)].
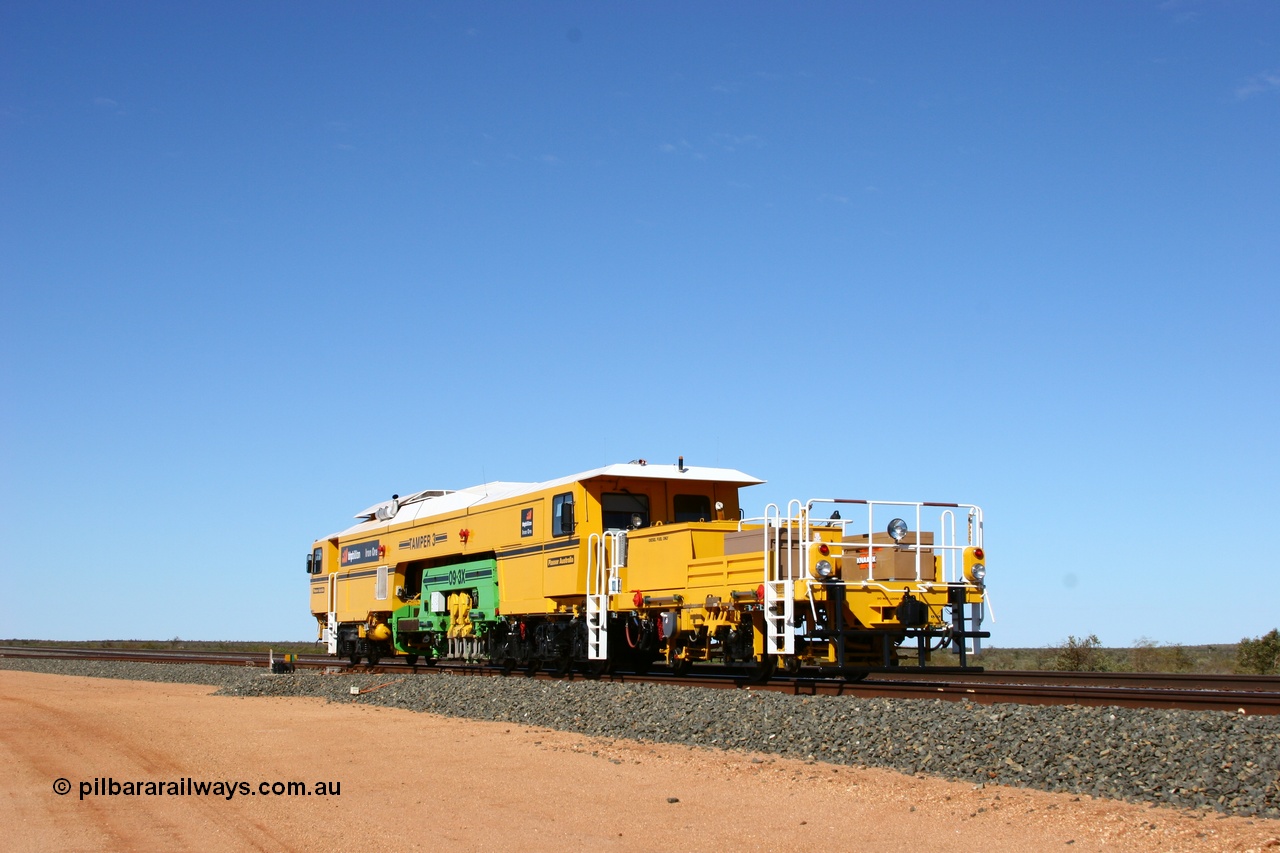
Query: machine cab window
[(562, 514), (691, 508), (624, 511), (315, 562)]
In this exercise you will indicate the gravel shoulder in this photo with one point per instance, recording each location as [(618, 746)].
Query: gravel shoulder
[(512, 775)]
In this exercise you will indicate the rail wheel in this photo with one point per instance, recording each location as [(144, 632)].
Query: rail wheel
[(411, 659), (532, 666), (355, 656), (561, 666), (763, 670), (506, 665), (678, 656), (855, 676), (596, 668), (374, 654)]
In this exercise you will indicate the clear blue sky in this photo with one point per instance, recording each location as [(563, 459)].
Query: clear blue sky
[(264, 264)]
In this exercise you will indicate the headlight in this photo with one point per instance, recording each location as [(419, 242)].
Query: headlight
[(979, 571), (897, 529), (823, 569)]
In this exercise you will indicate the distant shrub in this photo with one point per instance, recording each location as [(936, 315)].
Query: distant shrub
[(1260, 655), (1178, 659), (1144, 656), (1149, 656), (1080, 654)]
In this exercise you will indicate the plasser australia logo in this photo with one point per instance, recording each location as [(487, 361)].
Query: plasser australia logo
[(526, 522), (365, 552)]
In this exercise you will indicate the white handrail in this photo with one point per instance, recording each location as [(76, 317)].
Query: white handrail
[(947, 573)]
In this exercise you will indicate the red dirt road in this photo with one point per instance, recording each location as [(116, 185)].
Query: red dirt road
[(414, 781)]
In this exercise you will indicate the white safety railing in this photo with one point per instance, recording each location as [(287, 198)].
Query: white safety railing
[(606, 557), (331, 626), (779, 582), (788, 540), (946, 543)]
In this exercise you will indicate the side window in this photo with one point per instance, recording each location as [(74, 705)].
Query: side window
[(624, 511), (317, 561), (692, 508), (562, 515)]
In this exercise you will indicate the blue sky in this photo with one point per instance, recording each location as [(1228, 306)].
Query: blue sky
[(262, 265)]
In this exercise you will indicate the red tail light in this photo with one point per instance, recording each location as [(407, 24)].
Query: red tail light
[(760, 593), (638, 599), (824, 550), (977, 553)]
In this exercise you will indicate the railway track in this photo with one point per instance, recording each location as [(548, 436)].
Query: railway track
[(1229, 693)]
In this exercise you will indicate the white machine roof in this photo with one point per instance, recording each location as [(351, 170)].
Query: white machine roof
[(440, 501)]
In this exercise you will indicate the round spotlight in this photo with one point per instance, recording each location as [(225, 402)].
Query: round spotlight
[(897, 529), (823, 569), (979, 571)]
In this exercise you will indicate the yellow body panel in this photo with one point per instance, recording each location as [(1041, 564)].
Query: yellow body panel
[(537, 573)]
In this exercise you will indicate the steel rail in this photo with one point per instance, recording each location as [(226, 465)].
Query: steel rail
[(1165, 680), (1261, 695)]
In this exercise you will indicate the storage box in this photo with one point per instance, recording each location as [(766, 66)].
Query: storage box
[(893, 563)]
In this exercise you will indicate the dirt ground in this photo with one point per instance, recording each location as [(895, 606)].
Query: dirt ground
[(414, 781)]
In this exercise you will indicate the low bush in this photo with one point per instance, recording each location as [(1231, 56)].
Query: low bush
[(1259, 655), (1080, 654)]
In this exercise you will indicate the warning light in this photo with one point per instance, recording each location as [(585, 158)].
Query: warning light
[(464, 534), (638, 599)]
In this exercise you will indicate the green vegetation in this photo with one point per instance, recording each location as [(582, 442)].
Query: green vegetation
[(1081, 654), (1087, 654), (1260, 655), (1149, 656)]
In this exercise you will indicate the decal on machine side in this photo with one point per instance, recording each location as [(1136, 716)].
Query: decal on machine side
[(427, 540), (365, 552), (457, 576)]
